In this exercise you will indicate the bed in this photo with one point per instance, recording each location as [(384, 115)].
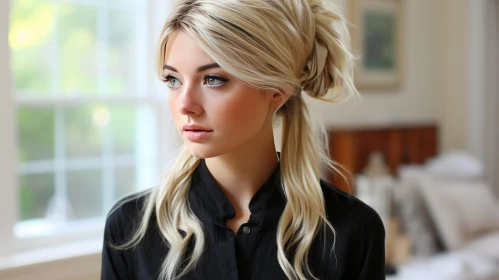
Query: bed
[(446, 208)]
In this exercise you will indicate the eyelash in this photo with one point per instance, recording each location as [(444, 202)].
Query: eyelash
[(166, 79)]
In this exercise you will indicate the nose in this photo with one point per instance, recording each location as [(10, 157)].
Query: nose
[(189, 101)]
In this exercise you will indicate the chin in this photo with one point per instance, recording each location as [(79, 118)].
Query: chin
[(203, 150)]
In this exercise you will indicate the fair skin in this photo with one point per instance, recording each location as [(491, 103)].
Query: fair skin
[(239, 151)]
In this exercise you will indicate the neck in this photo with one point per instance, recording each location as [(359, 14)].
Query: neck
[(242, 172)]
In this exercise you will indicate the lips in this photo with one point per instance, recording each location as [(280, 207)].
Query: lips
[(195, 128), (196, 133)]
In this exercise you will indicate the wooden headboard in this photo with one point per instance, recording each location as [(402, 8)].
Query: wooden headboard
[(407, 144)]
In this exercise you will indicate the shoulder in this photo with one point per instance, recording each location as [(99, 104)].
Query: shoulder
[(124, 215), (358, 229), (350, 214)]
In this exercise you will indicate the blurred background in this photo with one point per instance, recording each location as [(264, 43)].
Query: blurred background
[(85, 121)]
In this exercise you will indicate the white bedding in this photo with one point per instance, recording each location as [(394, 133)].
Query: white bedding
[(476, 257), (450, 266), (477, 260), (487, 245)]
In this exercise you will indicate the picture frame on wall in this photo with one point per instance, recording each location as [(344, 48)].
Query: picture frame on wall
[(377, 30)]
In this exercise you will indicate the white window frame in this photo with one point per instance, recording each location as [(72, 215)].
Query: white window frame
[(15, 251)]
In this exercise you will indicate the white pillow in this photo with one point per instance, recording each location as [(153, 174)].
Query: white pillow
[(455, 164), (413, 173), (460, 210), (442, 208), (478, 207)]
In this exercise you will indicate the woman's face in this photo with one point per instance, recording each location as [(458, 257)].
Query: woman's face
[(230, 114)]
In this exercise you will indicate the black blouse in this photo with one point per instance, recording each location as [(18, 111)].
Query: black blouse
[(252, 252)]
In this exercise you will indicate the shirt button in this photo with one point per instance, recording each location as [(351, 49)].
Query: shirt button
[(246, 230)]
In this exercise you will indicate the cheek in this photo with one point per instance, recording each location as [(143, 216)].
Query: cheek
[(173, 109), (243, 113)]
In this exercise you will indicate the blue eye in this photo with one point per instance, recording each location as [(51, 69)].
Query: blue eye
[(170, 81), (210, 80)]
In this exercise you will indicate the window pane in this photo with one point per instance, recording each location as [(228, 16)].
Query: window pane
[(77, 49), (35, 134), (84, 189), (74, 49), (125, 181), (76, 161), (35, 192), (30, 38), (121, 53), (124, 129), (84, 130), (125, 4)]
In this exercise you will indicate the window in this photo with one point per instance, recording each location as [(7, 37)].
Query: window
[(88, 124)]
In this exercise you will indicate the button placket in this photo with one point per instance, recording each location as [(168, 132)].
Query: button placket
[(228, 253), (245, 243)]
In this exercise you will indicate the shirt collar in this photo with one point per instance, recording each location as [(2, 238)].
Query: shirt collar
[(209, 202)]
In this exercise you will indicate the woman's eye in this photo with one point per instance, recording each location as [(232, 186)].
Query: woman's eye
[(214, 81), (211, 81), (171, 81)]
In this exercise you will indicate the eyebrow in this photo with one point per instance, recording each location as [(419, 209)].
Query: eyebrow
[(200, 69)]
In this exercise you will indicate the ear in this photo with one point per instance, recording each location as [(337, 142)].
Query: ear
[(278, 99)]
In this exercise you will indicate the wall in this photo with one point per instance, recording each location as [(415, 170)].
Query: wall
[(454, 49), (434, 88), (477, 75), (491, 94), (85, 267)]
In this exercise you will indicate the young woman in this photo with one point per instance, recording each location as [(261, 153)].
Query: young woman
[(231, 207)]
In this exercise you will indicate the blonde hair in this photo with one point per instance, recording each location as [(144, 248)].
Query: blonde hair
[(284, 45)]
